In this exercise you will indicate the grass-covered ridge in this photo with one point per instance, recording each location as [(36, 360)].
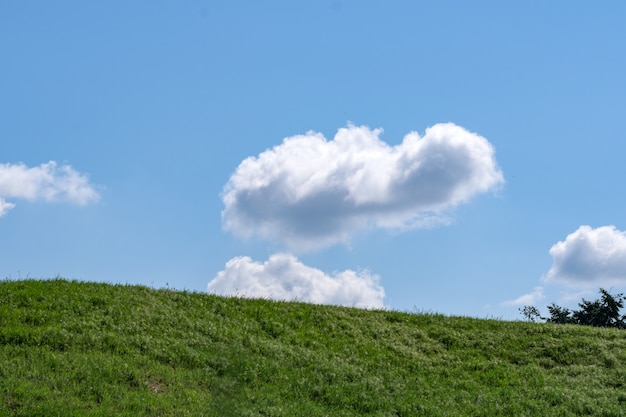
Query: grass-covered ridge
[(72, 348)]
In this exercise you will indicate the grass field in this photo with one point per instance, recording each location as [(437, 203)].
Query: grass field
[(74, 349)]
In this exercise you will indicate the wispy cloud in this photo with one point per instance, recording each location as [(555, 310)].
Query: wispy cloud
[(589, 257), (5, 206), (284, 277), (47, 182), (309, 192), (529, 299)]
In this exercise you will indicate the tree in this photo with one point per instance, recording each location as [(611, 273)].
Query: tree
[(530, 313), (604, 312), (559, 315)]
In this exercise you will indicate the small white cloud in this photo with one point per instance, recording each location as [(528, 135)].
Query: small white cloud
[(5, 207), (284, 277), (589, 257), (47, 182), (309, 192), (527, 299)]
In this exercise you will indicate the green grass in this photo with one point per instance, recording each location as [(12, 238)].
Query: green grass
[(74, 349)]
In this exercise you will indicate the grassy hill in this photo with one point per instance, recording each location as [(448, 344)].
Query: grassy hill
[(74, 348)]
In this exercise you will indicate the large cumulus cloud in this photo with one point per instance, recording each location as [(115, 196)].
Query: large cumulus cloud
[(310, 192), (589, 257), (284, 277), (47, 182)]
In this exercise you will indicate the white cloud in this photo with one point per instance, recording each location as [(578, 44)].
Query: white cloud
[(309, 192), (527, 299), (589, 257), (5, 206), (284, 277), (47, 182)]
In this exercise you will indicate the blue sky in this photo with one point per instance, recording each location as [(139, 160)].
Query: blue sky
[(126, 131)]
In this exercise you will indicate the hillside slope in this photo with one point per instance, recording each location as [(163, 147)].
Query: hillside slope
[(74, 348)]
